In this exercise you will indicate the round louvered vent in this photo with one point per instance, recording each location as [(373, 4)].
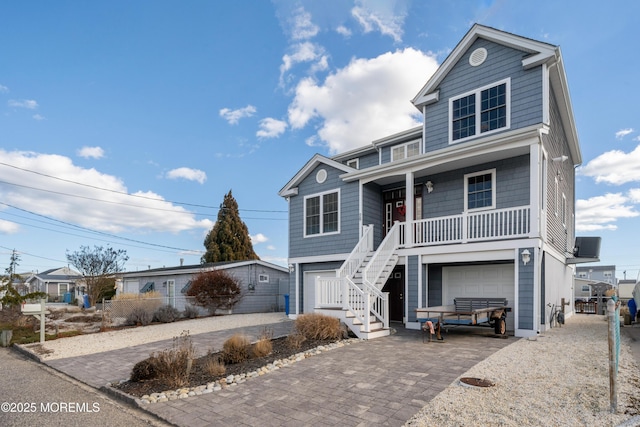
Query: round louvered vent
[(321, 176), (477, 57)]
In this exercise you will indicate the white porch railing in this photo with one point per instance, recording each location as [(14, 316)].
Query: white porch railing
[(358, 254), (468, 227), (385, 251)]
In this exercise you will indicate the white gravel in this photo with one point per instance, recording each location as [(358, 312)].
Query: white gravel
[(560, 378), (114, 340)]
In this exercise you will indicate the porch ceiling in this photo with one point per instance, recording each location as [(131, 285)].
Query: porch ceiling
[(425, 165)]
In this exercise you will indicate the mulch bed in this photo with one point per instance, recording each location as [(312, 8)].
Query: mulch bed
[(199, 376)]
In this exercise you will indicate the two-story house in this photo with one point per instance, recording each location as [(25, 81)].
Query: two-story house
[(478, 201)]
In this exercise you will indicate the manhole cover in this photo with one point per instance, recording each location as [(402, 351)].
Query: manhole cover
[(475, 382)]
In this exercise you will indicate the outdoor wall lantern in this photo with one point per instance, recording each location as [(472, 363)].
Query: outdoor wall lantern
[(526, 256), (292, 268), (429, 186)]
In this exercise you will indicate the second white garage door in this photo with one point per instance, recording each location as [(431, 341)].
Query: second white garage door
[(480, 281)]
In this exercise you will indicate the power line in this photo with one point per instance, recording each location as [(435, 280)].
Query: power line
[(92, 231), (127, 194)]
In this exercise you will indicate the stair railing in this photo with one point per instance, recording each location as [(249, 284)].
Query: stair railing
[(381, 257)]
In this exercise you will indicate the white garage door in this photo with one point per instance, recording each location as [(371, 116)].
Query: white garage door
[(480, 281), (309, 288)]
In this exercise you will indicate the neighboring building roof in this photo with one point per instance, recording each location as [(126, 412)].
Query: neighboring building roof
[(187, 269), (63, 274)]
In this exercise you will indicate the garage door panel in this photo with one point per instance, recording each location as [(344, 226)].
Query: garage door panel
[(480, 281)]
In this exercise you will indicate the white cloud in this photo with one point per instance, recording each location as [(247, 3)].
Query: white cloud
[(188, 174), (23, 103), (271, 247), (258, 238), (302, 26), (38, 117), (623, 132), (90, 207), (366, 100), (4, 89), (614, 167), (386, 17), (601, 212), (234, 116), (306, 52), (344, 31), (91, 152), (271, 128), (8, 227)]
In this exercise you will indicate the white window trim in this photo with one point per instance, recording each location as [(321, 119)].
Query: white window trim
[(354, 163), (493, 190), (405, 145), (66, 290), (477, 92), (304, 214), (263, 278), (564, 210)]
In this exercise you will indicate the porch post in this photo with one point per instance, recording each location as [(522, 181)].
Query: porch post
[(408, 202)]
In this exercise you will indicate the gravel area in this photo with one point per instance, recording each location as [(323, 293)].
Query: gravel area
[(113, 340), (560, 378)]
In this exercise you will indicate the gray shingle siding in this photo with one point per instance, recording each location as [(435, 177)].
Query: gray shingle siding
[(502, 62), (412, 281), (512, 187), (525, 293), (559, 236), (345, 240), (373, 211)]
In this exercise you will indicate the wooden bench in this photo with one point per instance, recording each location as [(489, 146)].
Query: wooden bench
[(469, 304)]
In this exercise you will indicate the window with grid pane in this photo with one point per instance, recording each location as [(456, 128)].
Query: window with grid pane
[(483, 110), (464, 117), (479, 194), (330, 212), (479, 191), (493, 111), (322, 213)]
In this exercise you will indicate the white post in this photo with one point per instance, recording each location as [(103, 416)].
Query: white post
[(42, 308), (613, 377)]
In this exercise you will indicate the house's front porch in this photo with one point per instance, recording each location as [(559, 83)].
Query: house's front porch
[(355, 294)]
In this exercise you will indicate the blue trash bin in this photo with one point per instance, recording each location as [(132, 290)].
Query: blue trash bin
[(286, 304), (85, 298), (67, 297)]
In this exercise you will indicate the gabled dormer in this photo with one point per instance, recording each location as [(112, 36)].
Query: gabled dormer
[(495, 83)]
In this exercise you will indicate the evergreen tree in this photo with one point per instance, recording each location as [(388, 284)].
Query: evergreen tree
[(229, 238)]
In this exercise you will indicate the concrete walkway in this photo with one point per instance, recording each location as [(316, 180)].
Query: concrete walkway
[(379, 382)]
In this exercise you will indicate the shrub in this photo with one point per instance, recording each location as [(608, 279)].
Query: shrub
[(166, 314), (215, 290), (314, 326), (172, 366), (144, 370), (262, 347), (191, 312), (295, 340), (213, 365), (139, 317), (236, 349)]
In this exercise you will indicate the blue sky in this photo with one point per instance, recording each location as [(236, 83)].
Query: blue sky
[(124, 124)]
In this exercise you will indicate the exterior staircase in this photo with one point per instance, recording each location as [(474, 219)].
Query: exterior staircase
[(355, 295)]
